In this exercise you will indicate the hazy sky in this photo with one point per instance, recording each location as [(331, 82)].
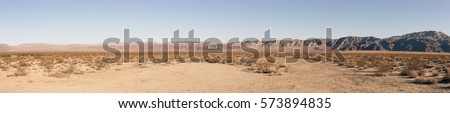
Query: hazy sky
[(92, 21)]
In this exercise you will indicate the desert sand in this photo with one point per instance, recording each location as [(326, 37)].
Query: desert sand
[(213, 78)]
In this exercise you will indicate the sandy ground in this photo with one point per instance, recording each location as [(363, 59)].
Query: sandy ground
[(213, 78)]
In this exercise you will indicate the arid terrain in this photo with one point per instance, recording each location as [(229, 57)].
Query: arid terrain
[(364, 72)]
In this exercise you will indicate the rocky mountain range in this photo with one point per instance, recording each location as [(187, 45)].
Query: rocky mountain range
[(425, 41)]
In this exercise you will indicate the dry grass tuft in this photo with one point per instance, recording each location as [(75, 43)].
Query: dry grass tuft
[(425, 81)]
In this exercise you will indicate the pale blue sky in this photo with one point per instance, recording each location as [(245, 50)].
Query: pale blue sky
[(92, 21)]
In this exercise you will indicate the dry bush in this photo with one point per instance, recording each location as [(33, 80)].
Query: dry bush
[(99, 65), (422, 72), (236, 61), (445, 79), (4, 66), (119, 62), (428, 66), (447, 70), (159, 60), (383, 69), (318, 57), (435, 74), (362, 64), (48, 64), (22, 63), (351, 64), (195, 60), (410, 73), (180, 59), (425, 81), (72, 69), (216, 59), (59, 60), (248, 60), (20, 71), (380, 74), (58, 75), (414, 65), (264, 67)]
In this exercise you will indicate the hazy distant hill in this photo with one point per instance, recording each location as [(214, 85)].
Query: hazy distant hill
[(39, 47), (4, 47), (425, 41)]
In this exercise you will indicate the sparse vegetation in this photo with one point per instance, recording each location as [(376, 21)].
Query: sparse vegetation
[(417, 69), (446, 79), (20, 71), (435, 74), (384, 69), (216, 59), (425, 81), (4, 66)]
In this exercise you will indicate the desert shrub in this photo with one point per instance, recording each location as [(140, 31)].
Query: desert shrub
[(425, 81), (414, 65), (59, 60), (271, 60), (48, 64), (195, 60), (362, 63), (180, 59), (119, 62), (73, 68), (160, 60), (22, 63), (447, 70), (99, 65), (383, 69), (435, 74), (422, 72), (428, 66), (248, 60), (4, 66), (318, 57), (216, 59), (362, 67), (58, 75), (410, 73), (20, 71), (445, 79), (264, 67), (380, 74), (236, 61), (402, 64), (350, 65)]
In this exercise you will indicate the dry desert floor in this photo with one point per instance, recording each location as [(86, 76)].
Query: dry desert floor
[(214, 78)]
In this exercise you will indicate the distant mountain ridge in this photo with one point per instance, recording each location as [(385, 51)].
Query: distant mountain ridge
[(425, 41)]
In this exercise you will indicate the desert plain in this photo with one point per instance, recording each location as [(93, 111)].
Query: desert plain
[(365, 72)]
